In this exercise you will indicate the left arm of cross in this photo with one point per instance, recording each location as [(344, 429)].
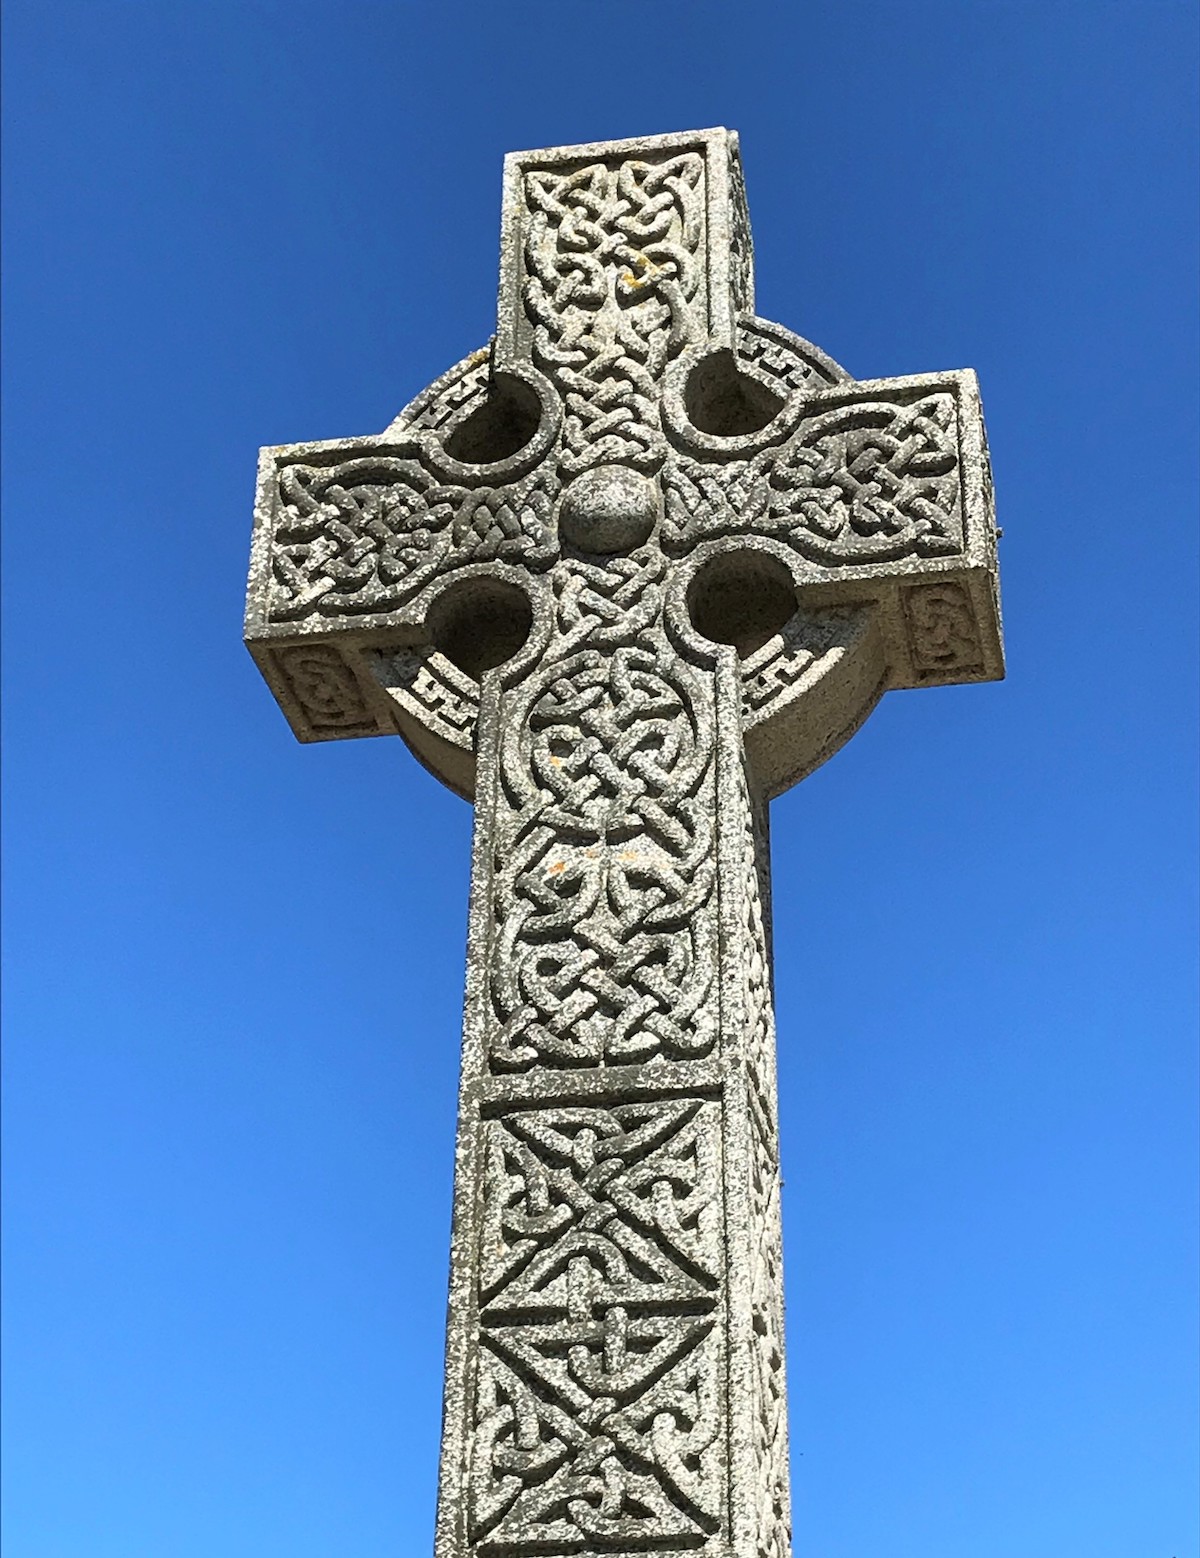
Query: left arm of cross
[(354, 540)]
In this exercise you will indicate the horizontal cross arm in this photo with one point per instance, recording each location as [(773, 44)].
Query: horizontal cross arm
[(878, 493)]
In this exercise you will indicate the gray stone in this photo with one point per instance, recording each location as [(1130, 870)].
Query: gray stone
[(620, 578)]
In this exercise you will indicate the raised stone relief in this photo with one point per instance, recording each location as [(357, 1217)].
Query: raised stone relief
[(860, 482), (619, 578), (366, 535), (597, 1412), (604, 905), (319, 683), (943, 633)]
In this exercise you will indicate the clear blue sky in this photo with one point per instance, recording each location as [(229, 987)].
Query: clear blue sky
[(234, 964)]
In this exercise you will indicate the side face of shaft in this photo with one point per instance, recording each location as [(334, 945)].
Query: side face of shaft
[(615, 1378)]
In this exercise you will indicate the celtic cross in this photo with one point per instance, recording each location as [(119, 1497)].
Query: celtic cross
[(621, 578)]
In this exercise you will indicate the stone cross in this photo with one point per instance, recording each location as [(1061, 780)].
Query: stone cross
[(620, 578)]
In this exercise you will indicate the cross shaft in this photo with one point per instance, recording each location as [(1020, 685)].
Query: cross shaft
[(620, 579)]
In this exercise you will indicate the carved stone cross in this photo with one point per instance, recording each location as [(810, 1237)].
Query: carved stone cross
[(621, 578)]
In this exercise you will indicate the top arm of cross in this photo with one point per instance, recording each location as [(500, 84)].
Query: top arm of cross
[(630, 398)]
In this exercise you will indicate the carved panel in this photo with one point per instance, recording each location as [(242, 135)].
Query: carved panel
[(943, 634), (604, 902), (611, 258), (867, 481), (364, 536), (598, 1400), (325, 690)]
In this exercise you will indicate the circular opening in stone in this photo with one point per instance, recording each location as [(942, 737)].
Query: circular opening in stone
[(741, 598), (499, 428), (479, 624), (724, 403)]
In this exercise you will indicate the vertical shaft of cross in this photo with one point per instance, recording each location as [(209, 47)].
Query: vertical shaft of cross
[(615, 1342)]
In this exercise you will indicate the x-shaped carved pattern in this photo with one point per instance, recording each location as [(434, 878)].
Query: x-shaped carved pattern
[(597, 1398)]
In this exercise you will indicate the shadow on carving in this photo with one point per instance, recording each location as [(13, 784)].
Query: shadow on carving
[(479, 623), (741, 598), (721, 401), (499, 428)]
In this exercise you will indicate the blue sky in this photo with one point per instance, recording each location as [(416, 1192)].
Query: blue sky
[(233, 965)]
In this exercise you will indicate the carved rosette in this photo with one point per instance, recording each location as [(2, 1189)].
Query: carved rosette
[(620, 579)]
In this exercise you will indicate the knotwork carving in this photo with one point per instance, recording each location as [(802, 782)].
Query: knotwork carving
[(869, 481), (366, 535), (598, 1394), (615, 1358), (326, 691), (604, 920), (611, 259), (943, 634)]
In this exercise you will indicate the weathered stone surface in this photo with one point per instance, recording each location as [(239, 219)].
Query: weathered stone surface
[(620, 578)]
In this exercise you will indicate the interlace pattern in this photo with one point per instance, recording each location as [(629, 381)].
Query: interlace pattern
[(597, 1404), (612, 262), (870, 481), (367, 535), (603, 902)]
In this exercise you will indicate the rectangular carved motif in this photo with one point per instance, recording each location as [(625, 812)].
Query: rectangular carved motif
[(599, 1387)]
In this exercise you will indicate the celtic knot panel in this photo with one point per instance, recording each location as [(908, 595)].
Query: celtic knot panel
[(364, 536), (598, 1416), (865, 482), (612, 263), (943, 634), (604, 895), (326, 691)]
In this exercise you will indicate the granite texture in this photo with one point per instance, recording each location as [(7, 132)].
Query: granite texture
[(619, 578)]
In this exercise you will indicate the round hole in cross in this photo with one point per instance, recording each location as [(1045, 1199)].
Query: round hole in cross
[(480, 623), (741, 598), (499, 428), (721, 401)]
